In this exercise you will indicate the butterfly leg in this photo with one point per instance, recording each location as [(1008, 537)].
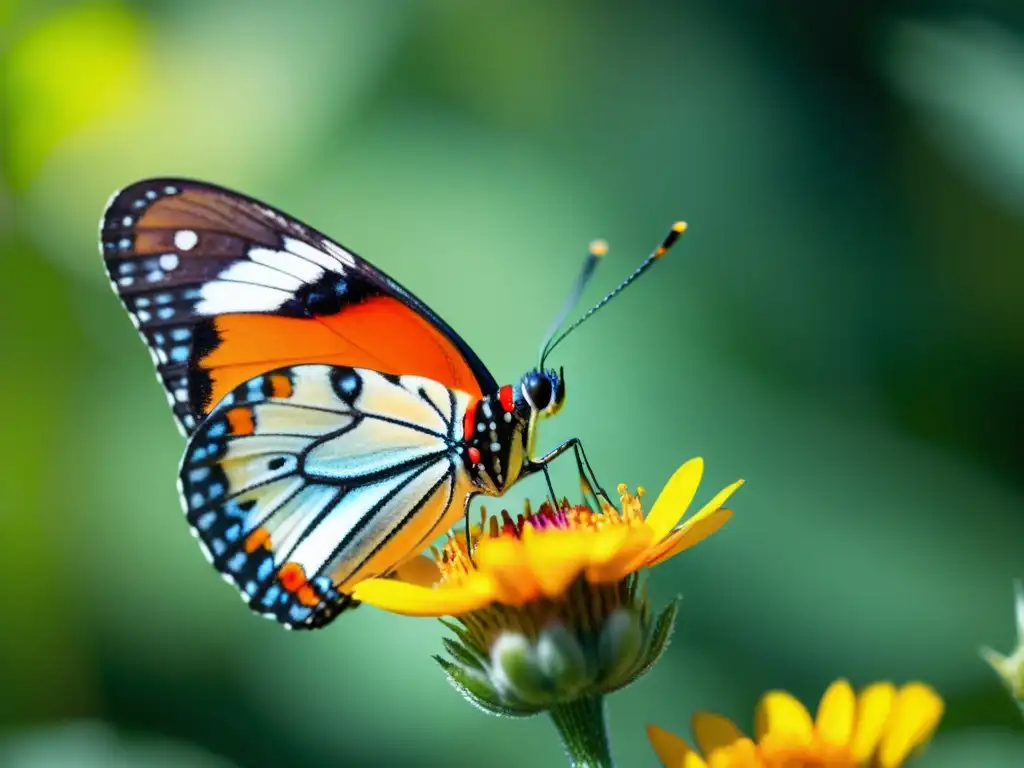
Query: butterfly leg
[(581, 460), (551, 488), (469, 536)]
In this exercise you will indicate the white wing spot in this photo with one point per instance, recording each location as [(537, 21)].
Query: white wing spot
[(184, 240), (309, 253), (126, 221), (169, 261), (124, 282)]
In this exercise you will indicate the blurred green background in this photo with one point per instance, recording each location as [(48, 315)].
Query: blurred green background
[(842, 326)]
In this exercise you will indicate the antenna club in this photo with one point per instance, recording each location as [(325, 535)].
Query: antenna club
[(598, 248), (673, 234)]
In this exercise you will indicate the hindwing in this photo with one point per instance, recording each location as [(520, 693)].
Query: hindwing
[(307, 479)]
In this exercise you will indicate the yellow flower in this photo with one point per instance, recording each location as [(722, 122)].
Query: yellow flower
[(539, 556), (879, 728), (549, 607)]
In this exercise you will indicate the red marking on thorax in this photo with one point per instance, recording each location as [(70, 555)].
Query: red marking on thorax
[(469, 420), (474, 455), (505, 395)]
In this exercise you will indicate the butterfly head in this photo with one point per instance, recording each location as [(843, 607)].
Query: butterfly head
[(542, 392)]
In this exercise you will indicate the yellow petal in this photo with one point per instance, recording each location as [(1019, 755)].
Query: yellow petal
[(873, 707), (714, 733), (419, 570), (691, 533), (779, 713), (719, 499), (631, 548), (605, 544), (675, 498), (504, 560), (414, 600), (672, 751), (915, 715), (555, 558), (744, 754), (836, 714)]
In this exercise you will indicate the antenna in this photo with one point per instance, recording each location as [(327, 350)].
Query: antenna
[(597, 249), (553, 341)]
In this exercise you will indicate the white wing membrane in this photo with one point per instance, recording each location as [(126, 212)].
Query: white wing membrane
[(307, 477), (377, 446)]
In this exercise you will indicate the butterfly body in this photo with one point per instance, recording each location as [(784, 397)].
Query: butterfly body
[(336, 425)]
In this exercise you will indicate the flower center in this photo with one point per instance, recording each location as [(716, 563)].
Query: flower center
[(454, 562)]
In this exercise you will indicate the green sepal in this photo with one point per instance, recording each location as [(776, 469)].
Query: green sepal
[(465, 637), (515, 672), (659, 637), (477, 692), (620, 645), (562, 660), (463, 655)]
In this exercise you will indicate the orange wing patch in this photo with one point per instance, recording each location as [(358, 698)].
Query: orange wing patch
[(381, 333), (293, 578), (240, 420), (280, 386), (258, 538)]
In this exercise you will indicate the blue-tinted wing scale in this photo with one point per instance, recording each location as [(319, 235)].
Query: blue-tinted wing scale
[(311, 477)]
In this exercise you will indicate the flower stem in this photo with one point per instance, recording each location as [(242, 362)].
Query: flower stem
[(583, 726)]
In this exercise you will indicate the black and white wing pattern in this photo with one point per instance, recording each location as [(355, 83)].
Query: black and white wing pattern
[(223, 287), (308, 479)]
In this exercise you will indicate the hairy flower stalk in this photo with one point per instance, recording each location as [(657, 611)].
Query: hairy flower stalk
[(550, 613)]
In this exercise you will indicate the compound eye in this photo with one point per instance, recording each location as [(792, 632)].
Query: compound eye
[(538, 390)]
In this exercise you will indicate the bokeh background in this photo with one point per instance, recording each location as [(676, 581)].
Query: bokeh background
[(842, 326)]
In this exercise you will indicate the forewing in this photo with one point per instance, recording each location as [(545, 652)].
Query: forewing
[(223, 288), (307, 479)]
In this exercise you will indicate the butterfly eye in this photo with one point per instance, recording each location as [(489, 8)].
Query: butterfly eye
[(538, 390)]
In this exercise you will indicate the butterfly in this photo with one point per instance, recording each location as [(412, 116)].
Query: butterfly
[(336, 425)]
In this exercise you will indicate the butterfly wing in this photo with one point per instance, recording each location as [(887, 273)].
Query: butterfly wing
[(223, 288), (305, 480)]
